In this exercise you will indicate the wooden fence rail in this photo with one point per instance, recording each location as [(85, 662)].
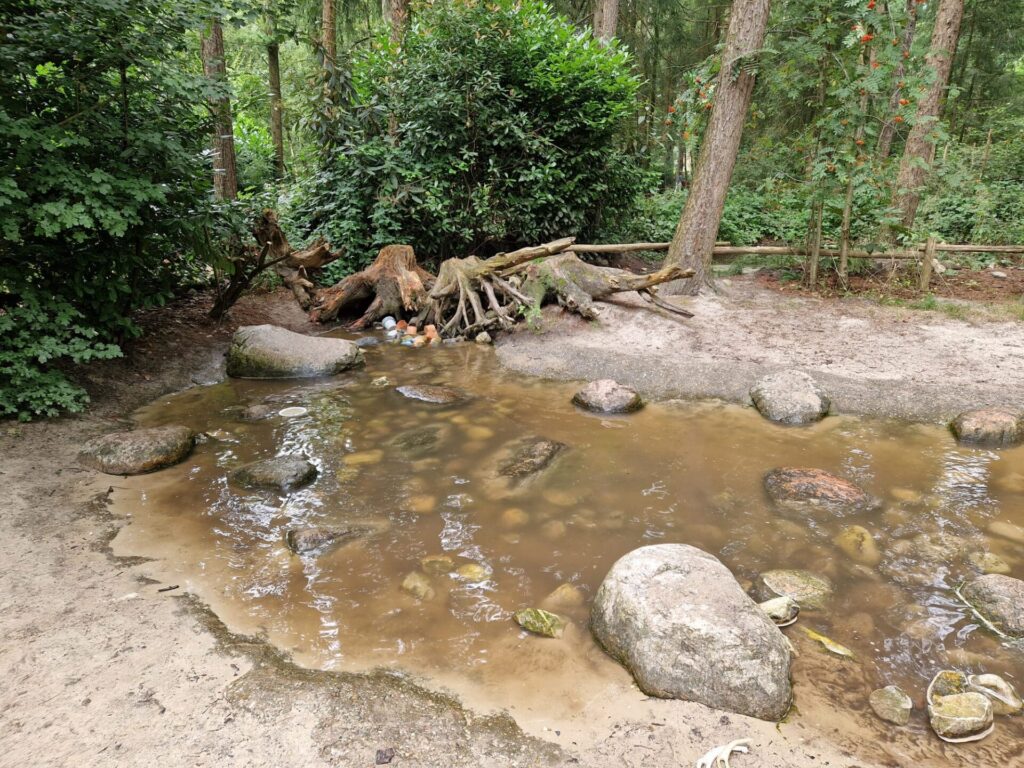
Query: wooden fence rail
[(925, 253)]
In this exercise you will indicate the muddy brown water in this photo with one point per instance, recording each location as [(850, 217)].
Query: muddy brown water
[(674, 472)]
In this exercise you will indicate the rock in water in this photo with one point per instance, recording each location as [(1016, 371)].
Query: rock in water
[(989, 426), (810, 590), (531, 457), (790, 397), (988, 562), (1004, 697), (282, 473), (138, 451), (677, 619), (435, 395), (540, 622), (418, 585), (607, 396), (257, 412), (815, 490), (270, 352), (1000, 600), (318, 539), (891, 704), (859, 545), (961, 716)]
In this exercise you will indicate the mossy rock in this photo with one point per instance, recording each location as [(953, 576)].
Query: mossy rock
[(540, 622)]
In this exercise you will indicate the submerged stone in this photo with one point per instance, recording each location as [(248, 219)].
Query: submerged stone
[(283, 473), (316, 540), (540, 622), (428, 393), (988, 562), (989, 426), (530, 458), (891, 704), (419, 441), (961, 716), (858, 544), (473, 572), (607, 396), (137, 451), (270, 352), (677, 619), (257, 412), (418, 585), (817, 490), (781, 610), (1000, 600), (438, 565), (790, 397), (564, 597), (810, 590)]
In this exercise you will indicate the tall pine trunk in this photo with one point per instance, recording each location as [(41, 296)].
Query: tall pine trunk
[(328, 32), (395, 12), (698, 226), (276, 102), (606, 19), (917, 153), (225, 175)]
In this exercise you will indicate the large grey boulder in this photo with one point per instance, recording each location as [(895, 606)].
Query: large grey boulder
[(677, 619), (1000, 599), (790, 397), (138, 450), (989, 426), (270, 352)]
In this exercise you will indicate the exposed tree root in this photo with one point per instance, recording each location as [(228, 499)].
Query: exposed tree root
[(472, 295), (393, 285)]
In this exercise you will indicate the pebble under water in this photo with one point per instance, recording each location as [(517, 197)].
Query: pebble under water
[(687, 472)]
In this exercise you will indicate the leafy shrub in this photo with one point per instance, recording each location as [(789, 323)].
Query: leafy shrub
[(493, 125), (102, 167)]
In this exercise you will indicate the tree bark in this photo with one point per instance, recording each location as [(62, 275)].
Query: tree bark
[(606, 19), (328, 31), (698, 226), (395, 12), (276, 106), (888, 132), (225, 175), (917, 154)]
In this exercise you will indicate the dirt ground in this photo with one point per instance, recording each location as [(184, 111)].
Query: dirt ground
[(102, 667), (877, 360)]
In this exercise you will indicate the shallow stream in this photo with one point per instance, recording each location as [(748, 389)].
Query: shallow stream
[(674, 472)]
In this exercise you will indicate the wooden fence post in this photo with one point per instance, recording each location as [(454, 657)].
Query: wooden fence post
[(926, 263)]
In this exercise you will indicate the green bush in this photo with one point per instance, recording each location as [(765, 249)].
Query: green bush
[(493, 125), (101, 144)]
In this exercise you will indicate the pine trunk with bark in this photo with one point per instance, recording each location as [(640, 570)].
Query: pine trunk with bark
[(606, 19), (396, 13), (328, 31), (917, 154), (698, 226), (276, 107), (225, 174)]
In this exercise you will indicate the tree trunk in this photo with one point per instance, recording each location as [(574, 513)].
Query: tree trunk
[(276, 107), (919, 148), (328, 31), (395, 12), (888, 132), (225, 176), (698, 226), (606, 19)]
